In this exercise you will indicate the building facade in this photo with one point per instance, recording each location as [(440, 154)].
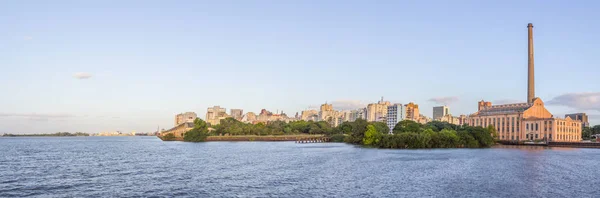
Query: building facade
[(185, 117), (377, 111), (395, 114), (307, 115), (215, 114), (412, 112), (236, 113), (526, 121), (439, 112), (582, 117)]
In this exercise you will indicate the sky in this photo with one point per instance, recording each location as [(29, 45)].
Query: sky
[(97, 66)]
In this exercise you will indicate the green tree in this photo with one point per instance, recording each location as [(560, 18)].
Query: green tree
[(372, 136), (198, 133), (381, 127), (407, 126), (586, 133)]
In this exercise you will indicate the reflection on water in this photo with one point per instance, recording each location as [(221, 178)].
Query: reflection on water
[(146, 166), (532, 148)]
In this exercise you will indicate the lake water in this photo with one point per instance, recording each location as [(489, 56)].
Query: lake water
[(146, 166)]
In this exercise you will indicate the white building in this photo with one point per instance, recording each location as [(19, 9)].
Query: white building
[(395, 114)]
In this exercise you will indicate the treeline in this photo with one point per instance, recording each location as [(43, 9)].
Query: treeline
[(232, 126), (406, 134), (410, 134), (587, 132), (58, 134)]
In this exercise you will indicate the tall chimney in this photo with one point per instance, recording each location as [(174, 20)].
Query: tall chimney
[(530, 78)]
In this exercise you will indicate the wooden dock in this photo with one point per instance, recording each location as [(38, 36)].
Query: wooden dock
[(305, 140)]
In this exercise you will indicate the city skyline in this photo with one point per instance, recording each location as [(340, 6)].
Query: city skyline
[(78, 71)]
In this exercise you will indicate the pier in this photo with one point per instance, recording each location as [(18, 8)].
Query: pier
[(304, 140)]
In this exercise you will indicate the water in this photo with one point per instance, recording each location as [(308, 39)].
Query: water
[(146, 166)]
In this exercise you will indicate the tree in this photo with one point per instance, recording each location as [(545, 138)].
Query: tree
[(492, 130), (586, 133), (198, 133), (407, 126), (381, 127), (596, 129), (372, 136)]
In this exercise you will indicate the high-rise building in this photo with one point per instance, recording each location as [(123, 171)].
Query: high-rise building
[(582, 117), (377, 111), (395, 114), (529, 120), (215, 114), (185, 117), (307, 115), (412, 112), (439, 112), (236, 113), (326, 112), (361, 113)]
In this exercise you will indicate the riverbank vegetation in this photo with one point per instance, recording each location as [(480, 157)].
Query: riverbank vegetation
[(406, 134), (409, 134), (58, 134)]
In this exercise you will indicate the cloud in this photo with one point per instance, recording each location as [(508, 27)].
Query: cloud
[(27, 38), (580, 101), (82, 75), (347, 104), (36, 116), (444, 100), (507, 101), (342, 105)]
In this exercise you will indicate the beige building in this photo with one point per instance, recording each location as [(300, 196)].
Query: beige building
[(377, 111), (326, 112), (412, 111), (185, 117), (179, 130), (462, 120), (236, 113), (307, 115), (215, 114), (249, 117), (526, 121), (450, 119)]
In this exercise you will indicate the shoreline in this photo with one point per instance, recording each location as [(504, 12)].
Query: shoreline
[(251, 138)]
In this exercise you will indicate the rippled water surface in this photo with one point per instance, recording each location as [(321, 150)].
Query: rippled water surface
[(146, 166)]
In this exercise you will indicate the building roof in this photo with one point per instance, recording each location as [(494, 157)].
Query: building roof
[(503, 109)]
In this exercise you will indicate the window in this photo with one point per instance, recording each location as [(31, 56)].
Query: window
[(536, 136), (527, 127), (536, 126), (527, 136)]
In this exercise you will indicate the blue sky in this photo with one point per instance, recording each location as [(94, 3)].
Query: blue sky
[(131, 65)]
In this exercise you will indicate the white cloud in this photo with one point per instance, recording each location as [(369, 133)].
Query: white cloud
[(342, 105), (444, 100), (347, 104), (27, 38), (580, 101), (82, 75)]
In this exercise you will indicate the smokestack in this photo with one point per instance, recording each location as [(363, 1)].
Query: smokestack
[(530, 78)]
